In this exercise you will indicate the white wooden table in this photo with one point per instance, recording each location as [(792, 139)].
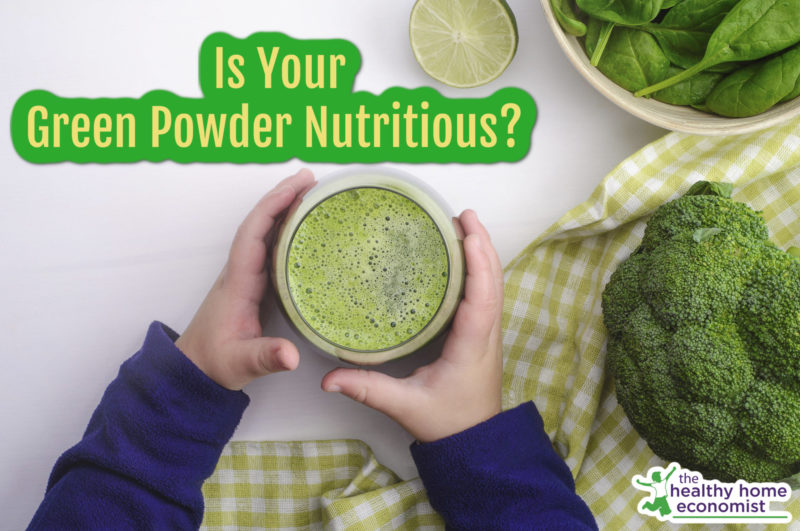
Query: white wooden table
[(92, 253)]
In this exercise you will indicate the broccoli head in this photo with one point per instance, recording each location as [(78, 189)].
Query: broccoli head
[(703, 325)]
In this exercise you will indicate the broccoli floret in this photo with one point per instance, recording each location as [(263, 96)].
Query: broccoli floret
[(711, 364), (691, 283), (617, 316), (771, 313), (703, 327), (692, 212), (770, 422)]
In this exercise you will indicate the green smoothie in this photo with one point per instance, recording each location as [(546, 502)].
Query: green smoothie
[(367, 269)]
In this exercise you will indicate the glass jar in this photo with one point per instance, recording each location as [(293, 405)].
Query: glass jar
[(369, 265)]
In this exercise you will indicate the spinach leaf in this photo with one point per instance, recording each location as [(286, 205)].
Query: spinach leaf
[(593, 28), (705, 233), (757, 87), (711, 188), (683, 47), (725, 68), (698, 14), (602, 42), (793, 94), (692, 91), (684, 31), (622, 11), (632, 59), (752, 29), (666, 4), (562, 10)]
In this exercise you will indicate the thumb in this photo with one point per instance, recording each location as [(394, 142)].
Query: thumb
[(265, 355), (374, 389)]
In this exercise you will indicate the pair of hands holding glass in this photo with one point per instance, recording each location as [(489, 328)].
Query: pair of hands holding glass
[(457, 391)]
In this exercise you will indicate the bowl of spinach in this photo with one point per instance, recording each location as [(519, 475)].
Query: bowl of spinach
[(713, 67)]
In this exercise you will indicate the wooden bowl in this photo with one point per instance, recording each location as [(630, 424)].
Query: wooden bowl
[(674, 117)]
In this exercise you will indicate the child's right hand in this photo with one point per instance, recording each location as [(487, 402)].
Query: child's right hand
[(224, 338), (461, 388)]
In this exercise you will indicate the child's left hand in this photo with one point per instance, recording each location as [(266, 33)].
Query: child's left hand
[(224, 338)]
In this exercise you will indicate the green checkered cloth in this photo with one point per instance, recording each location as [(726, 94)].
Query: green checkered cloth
[(311, 484), (554, 344)]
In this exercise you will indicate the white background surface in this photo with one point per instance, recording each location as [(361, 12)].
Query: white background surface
[(91, 254)]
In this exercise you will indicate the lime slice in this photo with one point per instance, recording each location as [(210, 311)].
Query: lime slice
[(463, 43)]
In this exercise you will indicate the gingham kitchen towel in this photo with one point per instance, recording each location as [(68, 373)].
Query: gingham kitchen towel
[(307, 485), (554, 346)]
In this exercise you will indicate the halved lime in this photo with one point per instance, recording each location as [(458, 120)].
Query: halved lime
[(463, 43)]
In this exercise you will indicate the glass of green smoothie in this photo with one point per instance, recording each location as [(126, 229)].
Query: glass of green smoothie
[(369, 266)]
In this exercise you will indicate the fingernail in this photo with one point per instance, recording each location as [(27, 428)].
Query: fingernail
[(333, 389)]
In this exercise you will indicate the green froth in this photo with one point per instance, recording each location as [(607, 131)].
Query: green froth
[(367, 269)]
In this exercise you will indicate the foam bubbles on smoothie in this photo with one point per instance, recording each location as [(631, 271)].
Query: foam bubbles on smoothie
[(368, 268)]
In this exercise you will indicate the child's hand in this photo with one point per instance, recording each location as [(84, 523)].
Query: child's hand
[(224, 338), (462, 387)]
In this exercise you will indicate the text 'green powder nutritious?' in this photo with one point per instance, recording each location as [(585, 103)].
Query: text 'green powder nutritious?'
[(367, 269)]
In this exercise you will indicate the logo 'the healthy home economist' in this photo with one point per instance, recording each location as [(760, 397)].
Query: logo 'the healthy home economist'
[(684, 496)]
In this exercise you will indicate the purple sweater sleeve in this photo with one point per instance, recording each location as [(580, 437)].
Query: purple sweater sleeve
[(155, 437), (501, 474)]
